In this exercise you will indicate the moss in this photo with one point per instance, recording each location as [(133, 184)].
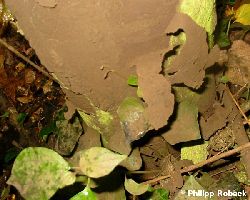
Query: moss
[(104, 118), (200, 154), (129, 109)]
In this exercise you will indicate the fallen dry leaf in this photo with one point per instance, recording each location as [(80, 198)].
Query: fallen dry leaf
[(47, 86), (20, 66), (25, 99), (30, 76)]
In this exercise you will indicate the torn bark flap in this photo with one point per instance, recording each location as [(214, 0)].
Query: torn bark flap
[(189, 65), (156, 89)]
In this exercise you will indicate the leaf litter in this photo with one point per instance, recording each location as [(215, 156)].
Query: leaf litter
[(182, 101)]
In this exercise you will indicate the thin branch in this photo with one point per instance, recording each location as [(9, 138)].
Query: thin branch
[(144, 172), (13, 50), (223, 171), (203, 163), (215, 158), (14, 143), (238, 106), (240, 91), (156, 179)]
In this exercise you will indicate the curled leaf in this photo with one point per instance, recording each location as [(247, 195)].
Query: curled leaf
[(135, 188)]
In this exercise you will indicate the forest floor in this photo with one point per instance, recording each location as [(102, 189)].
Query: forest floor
[(31, 103)]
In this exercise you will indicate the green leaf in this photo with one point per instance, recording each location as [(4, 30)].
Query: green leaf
[(132, 80), (21, 117), (60, 113), (176, 43), (67, 135), (39, 172), (186, 94), (101, 121), (231, 2), (5, 115), (202, 12), (159, 194), (139, 92), (135, 188), (201, 153), (104, 118), (86, 181), (238, 25), (130, 109), (86, 194), (131, 114), (185, 127), (98, 161), (243, 14), (46, 130), (10, 154), (224, 79)]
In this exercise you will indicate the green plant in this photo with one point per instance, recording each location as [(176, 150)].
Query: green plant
[(38, 172), (235, 16)]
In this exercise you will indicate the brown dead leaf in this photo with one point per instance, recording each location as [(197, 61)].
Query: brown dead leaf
[(207, 95), (154, 154), (220, 116), (20, 66), (37, 114), (238, 63), (47, 86), (9, 84), (22, 91), (1, 60), (3, 77), (169, 168), (222, 140), (25, 100), (30, 76)]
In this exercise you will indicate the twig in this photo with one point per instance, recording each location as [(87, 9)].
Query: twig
[(14, 143), (223, 171), (240, 91), (215, 158), (238, 106), (156, 179), (144, 172), (38, 68), (13, 50), (203, 163)]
